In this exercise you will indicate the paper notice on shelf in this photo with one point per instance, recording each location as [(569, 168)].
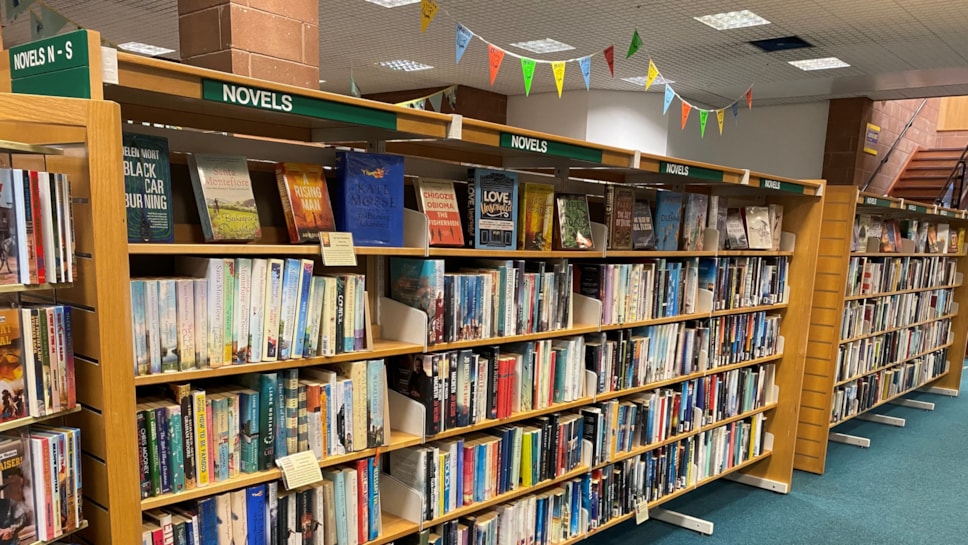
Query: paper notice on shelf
[(300, 469), (641, 512), (337, 249), (109, 65)]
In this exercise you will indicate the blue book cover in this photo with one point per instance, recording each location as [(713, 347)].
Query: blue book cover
[(339, 492), (176, 443), (208, 520), (287, 313), (302, 312), (280, 446), (480, 470), (255, 514), (147, 186), (668, 216), (368, 197), (220, 419), (373, 491), (142, 363), (249, 430), (419, 283), (375, 388), (493, 209), (164, 449)]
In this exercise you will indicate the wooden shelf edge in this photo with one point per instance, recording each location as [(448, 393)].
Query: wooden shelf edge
[(30, 420), (831, 425), (895, 329), (898, 292), (201, 248), (517, 417), (892, 364), (64, 535), (577, 329), (20, 288)]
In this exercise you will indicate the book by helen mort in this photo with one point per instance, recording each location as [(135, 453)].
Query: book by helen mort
[(147, 186)]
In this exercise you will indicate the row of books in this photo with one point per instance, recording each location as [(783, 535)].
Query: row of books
[(192, 437), (490, 299), (229, 311), (42, 485), (859, 395), (36, 227), (460, 388), (473, 469), (869, 316), (37, 348), (344, 509), (865, 355), (889, 234), (874, 275)]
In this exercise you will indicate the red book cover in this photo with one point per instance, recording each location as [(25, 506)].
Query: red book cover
[(468, 492), (363, 503), (438, 201), (38, 239), (305, 200)]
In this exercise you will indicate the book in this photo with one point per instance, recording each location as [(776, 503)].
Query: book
[(18, 489), (223, 193), (536, 216), (643, 233), (736, 237), (668, 215), (147, 188), (492, 201), (619, 216), (437, 199), (759, 232), (12, 221), (776, 226), (419, 283), (368, 197), (305, 201), (12, 390), (573, 227), (694, 221)]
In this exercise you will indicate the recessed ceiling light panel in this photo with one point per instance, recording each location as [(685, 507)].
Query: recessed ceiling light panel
[(546, 45), (392, 3), (145, 49), (825, 63), (640, 80), (732, 19), (405, 65)]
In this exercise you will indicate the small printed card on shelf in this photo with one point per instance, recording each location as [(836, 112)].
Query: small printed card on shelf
[(641, 511), (337, 249), (300, 469)]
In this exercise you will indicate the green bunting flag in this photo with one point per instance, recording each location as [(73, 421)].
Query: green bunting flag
[(527, 70), (703, 116), (635, 45)]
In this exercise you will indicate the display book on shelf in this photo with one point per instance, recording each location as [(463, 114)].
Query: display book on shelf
[(886, 318)]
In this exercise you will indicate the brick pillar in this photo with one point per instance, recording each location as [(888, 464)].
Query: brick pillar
[(843, 154), (276, 40)]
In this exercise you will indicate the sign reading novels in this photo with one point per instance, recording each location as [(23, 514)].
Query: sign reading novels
[(549, 147), (875, 201), (692, 171), (780, 186)]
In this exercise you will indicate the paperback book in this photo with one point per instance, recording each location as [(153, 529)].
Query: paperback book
[(305, 201), (536, 217), (223, 193), (438, 201), (574, 227), (12, 389), (643, 233), (147, 186), (668, 216), (492, 201), (619, 216), (419, 283)]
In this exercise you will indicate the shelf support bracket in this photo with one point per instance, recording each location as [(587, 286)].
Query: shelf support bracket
[(862, 442), (376, 146), (759, 482), (683, 521), (914, 404), (950, 392), (883, 419)]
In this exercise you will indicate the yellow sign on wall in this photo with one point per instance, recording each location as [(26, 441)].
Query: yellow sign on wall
[(870, 138)]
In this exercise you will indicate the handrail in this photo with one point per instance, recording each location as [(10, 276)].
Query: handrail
[(894, 145), (949, 182)]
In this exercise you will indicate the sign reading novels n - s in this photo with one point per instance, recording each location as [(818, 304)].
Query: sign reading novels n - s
[(56, 66), (147, 187)]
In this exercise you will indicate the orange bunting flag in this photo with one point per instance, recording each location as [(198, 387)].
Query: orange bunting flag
[(559, 70), (749, 98), (720, 114), (652, 74), (686, 108), (495, 56), (428, 10)]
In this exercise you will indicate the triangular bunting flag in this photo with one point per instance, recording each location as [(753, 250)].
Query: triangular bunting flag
[(749, 98), (464, 36), (585, 63), (635, 45), (52, 20), (669, 95), (558, 68), (354, 90), (686, 108), (420, 105), (735, 110), (428, 10), (436, 101), (495, 55), (610, 58), (452, 97), (527, 71), (650, 77), (720, 114), (13, 8), (703, 116)]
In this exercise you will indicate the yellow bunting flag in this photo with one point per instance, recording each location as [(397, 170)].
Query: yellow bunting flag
[(720, 114), (559, 69), (703, 116), (686, 108), (428, 10), (495, 57), (653, 73)]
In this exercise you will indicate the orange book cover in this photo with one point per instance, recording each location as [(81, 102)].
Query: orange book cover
[(305, 200), (437, 199), (536, 214)]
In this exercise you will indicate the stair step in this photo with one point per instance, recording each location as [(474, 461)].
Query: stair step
[(908, 175), (930, 169), (938, 154)]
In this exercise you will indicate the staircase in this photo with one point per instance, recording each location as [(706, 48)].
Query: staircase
[(925, 174)]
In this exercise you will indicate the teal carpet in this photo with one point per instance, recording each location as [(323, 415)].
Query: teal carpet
[(910, 487)]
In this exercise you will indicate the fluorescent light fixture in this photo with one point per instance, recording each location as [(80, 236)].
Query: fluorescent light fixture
[(405, 65), (392, 3), (145, 49), (322, 81), (825, 63), (546, 45), (732, 19), (640, 80)]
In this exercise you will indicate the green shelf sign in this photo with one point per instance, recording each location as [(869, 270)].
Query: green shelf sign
[(55, 66), (550, 147), (691, 171), (876, 201), (781, 186), (916, 208)]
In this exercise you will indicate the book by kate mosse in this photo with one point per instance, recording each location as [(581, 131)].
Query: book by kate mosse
[(147, 186), (367, 197)]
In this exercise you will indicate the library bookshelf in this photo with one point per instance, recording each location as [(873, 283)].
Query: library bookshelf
[(823, 386), (161, 98)]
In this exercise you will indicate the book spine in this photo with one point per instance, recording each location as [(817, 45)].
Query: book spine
[(291, 399), (154, 461), (176, 448), (215, 276), (235, 450), (201, 437), (338, 342), (359, 328), (200, 292), (255, 512), (311, 348), (349, 312), (249, 428), (164, 449), (143, 459), (302, 308), (257, 301), (184, 399), (185, 309), (302, 421), (153, 325), (168, 324), (287, 316), (139, 328), (273, 299), (267, 418), (230, 341), (243, 267)]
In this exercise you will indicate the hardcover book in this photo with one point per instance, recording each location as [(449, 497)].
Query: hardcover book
[(536, 217), (943, 236), (759, 233), (12, 390), (643, 233), (668, 215), (147, 186), (619, 216), (736, 230), (438, 201), (492, 201), (368, 198), (223, 193), (305, 201), (574, 226), (419, 283), (694, 221)]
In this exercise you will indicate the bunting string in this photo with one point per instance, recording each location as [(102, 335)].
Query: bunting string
[(435, 98)]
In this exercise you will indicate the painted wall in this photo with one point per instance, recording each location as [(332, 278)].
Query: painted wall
[(627, 119), (545, 112)]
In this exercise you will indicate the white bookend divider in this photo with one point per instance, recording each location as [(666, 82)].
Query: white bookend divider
[(585, 310), (416, 230), (591, 383), (407, 415), (403, 323), (600, 238), (704, 301), (788, 241), (400, 500), (710, 238)]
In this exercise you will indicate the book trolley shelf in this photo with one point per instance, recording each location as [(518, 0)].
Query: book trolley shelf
[(823, 387), (186, 105)]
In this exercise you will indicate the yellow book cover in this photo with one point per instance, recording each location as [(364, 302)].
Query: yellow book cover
[(535, 216)]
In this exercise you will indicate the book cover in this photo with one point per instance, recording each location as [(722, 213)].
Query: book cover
[(694, 221), (668, 216), (419, 283), (302, 308), (147, 187), (492, 201), (943, 232), (223, 193), (437, 199), (759, 232), (776, 226), (273, 306), (376, 393), (619, 216), (12, 269), (17, 492), (305, 201), (643, 233), (368, 198), (573, 227), (536, 217), (736, 230)]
